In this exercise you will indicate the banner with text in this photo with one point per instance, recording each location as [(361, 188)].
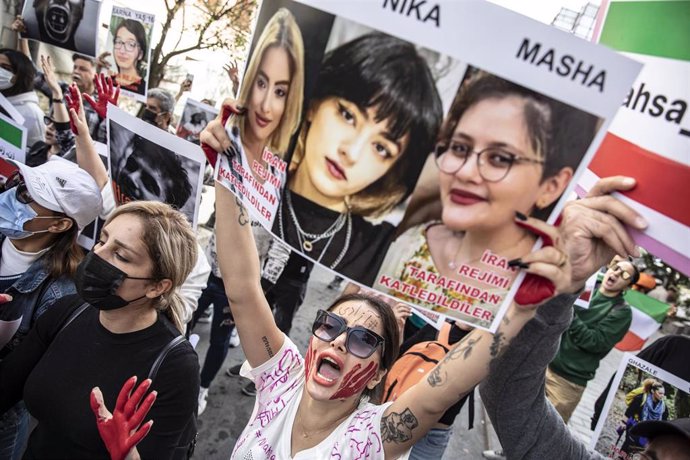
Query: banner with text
[(392, 142)]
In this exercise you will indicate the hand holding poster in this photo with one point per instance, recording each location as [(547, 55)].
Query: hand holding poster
[(147, 163), (129, 42), (510, 109), (640, 392), (72, 25)]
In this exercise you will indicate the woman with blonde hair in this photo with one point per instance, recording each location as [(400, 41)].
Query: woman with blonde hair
[(126, 312), (268, 115)]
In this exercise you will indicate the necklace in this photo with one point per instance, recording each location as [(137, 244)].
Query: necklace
[(306, 240), (306, 435), (452, 264)]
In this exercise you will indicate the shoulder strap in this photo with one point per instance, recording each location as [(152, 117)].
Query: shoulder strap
[(444, 334), (72, 317), (164, 352)]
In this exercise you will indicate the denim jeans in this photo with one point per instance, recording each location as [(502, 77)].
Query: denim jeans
[(14, 431), (432, 445), (221, 327)]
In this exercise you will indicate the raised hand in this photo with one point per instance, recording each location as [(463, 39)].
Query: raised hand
[(548, 269), (102, 61), (106, 91), (233, 72), (594, 228), (77, 118), (49, 74), (18, 25), (120, 430)]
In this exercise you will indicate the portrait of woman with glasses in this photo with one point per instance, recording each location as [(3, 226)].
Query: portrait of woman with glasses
[(503, 151), (130, 52)]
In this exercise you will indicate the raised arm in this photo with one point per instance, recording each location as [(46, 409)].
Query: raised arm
[(467, 364), (526, 423), (87, 157), (239, 265)]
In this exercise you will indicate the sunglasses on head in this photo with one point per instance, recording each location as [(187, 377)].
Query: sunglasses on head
[(16, 180), (360, 341)]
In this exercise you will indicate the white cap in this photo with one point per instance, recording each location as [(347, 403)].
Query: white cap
[(62, 186)]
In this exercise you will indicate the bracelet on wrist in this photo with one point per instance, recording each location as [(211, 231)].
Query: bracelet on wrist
[(57, 100)]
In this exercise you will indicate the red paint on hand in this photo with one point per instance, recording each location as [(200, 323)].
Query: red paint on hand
[(120, 431), (106, 92)]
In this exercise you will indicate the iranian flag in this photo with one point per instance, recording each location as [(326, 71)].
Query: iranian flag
[(649, 138), (647, 316)]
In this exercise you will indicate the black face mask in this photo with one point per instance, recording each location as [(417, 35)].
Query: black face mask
[(150, 116), (97, 280)]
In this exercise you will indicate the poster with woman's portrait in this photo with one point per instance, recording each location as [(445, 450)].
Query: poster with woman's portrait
[(147, 163), (286, 50), (423, 134), (68, 24), (503, 148), (129, 44), (640, 392), (194, 119)]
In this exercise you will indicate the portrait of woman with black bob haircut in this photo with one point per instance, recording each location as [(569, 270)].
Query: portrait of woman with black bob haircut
[(367, 130), (130, 52)]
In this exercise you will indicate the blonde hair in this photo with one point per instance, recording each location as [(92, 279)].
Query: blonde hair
[(281, 31), (172, 247)]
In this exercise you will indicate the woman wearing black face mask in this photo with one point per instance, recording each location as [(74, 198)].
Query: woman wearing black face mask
[(41, 212), (129, 286)]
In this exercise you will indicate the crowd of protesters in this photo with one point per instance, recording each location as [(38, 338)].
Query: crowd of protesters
[(94, 345)]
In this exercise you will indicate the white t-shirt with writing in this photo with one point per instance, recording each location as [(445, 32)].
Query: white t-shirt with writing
[(279, 385)]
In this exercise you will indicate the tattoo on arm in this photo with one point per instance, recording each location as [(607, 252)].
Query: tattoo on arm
[(397, 427), (437, 377), (267, 346), (464, 348), (243, 218), (496, 344)]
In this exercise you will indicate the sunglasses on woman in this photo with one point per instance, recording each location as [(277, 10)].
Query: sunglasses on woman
[(22, 193), (618, 269), (360, 341)]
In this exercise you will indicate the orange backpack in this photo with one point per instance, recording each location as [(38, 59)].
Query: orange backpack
[(416, 363)]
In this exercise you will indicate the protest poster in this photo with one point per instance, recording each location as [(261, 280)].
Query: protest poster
[(628, 403), (6, 108), (382, 84), (71, 25), (148, 163), (12, 139), (649, 139), (129, 42), (194, 119)]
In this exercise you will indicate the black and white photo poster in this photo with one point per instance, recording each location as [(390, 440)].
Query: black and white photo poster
[(69, 24), (147, 163)]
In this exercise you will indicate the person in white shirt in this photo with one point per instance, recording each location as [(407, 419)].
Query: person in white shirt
[(317, 406)]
